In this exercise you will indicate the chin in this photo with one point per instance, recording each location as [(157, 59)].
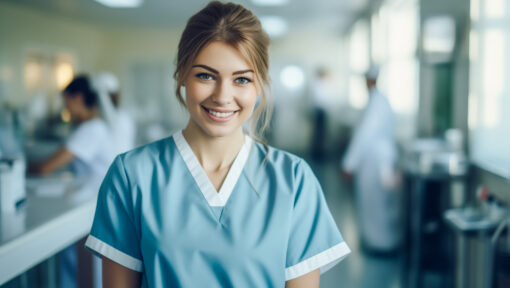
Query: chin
[(219, 131)]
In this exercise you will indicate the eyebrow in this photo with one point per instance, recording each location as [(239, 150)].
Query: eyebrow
[(216, 71)]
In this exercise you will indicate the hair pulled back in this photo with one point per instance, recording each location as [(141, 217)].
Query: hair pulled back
[(81, 84)]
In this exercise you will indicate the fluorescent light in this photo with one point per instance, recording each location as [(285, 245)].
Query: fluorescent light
[(495, 8), (493, 74), (473, 45), (292, 77), (270, 2), (63, 74), (274, 26), (439, 35), (120, 3), (475, 10)]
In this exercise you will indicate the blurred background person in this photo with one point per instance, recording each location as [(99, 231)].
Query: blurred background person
[(121, 124), (89, 149), (371, 158), (321, 95)]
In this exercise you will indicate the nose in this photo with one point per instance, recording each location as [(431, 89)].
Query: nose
[(223, 93)]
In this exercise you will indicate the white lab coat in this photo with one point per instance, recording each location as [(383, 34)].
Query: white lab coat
[(91, 144), (371, 157), (121, 125), (125, 132)]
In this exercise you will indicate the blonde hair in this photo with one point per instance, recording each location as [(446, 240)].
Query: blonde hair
[(237, 26)]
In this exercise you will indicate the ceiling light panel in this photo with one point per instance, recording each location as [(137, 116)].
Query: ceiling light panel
[(120, 3), (270, 2)]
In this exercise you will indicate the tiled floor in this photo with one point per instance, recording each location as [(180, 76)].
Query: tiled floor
[(357, 270)]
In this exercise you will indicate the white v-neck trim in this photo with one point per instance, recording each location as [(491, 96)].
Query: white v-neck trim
[(213, 197)]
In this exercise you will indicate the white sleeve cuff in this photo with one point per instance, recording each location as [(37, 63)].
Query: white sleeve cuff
[(324, 260), (115, 255)]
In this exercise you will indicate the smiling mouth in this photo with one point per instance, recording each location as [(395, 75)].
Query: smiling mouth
[(219, 114)]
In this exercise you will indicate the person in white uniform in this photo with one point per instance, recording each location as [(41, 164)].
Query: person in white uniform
[(372, 157), (88, 150), (121, 124), (211, 206), (322, 95)]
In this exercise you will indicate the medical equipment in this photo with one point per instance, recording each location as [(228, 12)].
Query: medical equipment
[(476, 230), (12, 183)]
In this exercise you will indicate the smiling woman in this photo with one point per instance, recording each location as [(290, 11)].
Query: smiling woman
[(220, 93), (208, 206), (243, 33)]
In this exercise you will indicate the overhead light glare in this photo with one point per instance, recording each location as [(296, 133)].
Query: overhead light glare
[(292, 77), (270, 2), (120, 3), (274, 26), (439, 35)]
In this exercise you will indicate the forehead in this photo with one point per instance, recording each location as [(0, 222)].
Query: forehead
[(222, 57)]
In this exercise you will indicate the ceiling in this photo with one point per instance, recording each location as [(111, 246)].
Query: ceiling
[(334, 15)]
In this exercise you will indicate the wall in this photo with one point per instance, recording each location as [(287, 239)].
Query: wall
[(23, 29), (144, 59)]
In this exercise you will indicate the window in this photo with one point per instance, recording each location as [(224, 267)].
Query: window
[(359, 61), (489, 92)]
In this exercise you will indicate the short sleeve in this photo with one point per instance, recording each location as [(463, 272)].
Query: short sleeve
[(114, 232), (314, 239), (81, 142)]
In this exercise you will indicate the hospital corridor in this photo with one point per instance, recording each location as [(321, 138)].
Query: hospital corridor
[(255, 143)]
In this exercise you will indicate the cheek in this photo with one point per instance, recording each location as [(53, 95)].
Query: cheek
[(196, 93), (191, 96), (249, 98)]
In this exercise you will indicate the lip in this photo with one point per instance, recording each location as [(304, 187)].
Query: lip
[(219, 119), (219, 110)]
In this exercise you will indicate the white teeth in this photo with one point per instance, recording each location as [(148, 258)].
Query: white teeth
[(219, 114)]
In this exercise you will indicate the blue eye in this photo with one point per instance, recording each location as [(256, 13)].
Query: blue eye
[(204, 76), (242, 80)]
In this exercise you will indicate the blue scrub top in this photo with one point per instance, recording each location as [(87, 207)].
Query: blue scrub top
[(159, 214)]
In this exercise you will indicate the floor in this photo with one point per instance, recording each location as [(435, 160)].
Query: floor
[(358, 269)]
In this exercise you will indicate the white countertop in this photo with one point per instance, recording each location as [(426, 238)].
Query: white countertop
[(46, 223)]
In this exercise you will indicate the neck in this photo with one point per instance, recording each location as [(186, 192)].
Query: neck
[(88, 114), (213, 153)]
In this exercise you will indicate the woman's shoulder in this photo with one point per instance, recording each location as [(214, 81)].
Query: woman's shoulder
[(92, 126), (149, 153), (279, 159), (288, 172)]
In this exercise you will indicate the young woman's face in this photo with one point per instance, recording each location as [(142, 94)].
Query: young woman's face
[(220, 90)]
